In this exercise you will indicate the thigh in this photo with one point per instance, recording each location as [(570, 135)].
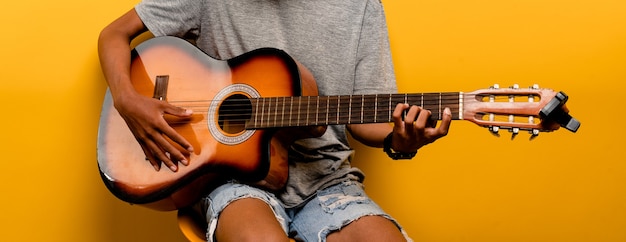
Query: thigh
[(237, 211), (249, 219), (368, 228), (343, 211)]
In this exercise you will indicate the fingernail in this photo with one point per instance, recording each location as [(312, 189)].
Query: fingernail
[(188, 111), (184, 162), (173, 168), (157, 167), (447, 111)]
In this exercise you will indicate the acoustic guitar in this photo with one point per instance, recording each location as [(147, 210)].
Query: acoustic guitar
[(246, 109)]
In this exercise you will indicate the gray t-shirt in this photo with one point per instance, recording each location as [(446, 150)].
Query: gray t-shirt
[(343, 43)]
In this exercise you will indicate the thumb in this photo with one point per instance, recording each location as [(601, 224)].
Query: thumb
[(178, 111)]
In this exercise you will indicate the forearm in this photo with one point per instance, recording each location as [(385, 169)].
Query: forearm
[(370, 134), (114, 52)]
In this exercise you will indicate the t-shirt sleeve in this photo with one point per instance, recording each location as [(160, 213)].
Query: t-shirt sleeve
[(374, 70), (179, 18)]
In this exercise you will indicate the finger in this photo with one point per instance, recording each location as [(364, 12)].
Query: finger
[(431, 123), (150, 157), (174, 152), (446, 120), (411, 115), (156, 147), (422, 120), (397, 114), (165, 151), (172, 134), (178, 139), (177, 111)]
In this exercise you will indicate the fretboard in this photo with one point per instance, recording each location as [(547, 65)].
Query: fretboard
[(271, 112)]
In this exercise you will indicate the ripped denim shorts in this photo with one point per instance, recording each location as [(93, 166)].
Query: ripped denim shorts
[(332, 209)]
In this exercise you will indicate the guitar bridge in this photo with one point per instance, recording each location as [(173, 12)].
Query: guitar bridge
[(160, 87)]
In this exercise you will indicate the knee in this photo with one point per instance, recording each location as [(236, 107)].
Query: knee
[(247, 235), (249, 219)]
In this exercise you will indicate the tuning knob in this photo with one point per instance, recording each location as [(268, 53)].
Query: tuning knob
[(533, 133), (515, 132), (495, 130)]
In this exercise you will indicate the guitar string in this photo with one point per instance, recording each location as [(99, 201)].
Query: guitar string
[(237, 106), (235, 112)]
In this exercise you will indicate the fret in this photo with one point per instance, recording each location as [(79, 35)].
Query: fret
[(332, 109), (282, 117), (305, 110), (381, 112), (276, 108), (290, 111), (390, 107), (322, 110), (394, 100), (430, 101), (269, 111), (350, 109), (375, 107), (338, 108), (308, 101), (439, 118), (317, 111), (356, 111), (327, 110), (368, 108), (344, 110), (362, 105), (262, 112), (299, 119)]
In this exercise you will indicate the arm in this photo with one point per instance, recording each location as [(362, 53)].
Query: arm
[(375, 74), (143, 115), (409, 134)]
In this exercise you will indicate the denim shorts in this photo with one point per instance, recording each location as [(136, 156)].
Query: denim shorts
[(330, 210)]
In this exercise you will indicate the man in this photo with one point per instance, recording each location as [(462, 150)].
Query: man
[(345, 45)]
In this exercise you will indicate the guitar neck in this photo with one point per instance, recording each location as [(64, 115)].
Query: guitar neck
[(273, 112)]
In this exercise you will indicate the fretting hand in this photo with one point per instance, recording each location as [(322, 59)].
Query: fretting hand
[(416, 130)]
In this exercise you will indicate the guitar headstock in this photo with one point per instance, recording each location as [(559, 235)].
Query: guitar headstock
[(516, 109)]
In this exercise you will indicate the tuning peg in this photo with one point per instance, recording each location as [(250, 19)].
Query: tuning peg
[(535, 86), (533, 134), (515, 132), (495, 86), (494, 130), (515, 86)]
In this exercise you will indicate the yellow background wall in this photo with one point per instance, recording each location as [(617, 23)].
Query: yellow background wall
[(469, 186)]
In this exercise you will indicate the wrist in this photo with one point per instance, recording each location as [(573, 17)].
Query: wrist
[(395, 154)]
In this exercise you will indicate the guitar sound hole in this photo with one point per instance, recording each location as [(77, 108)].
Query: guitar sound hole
[(234, 113)]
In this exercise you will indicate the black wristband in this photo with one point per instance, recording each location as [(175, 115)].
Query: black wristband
[(395, 155)]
